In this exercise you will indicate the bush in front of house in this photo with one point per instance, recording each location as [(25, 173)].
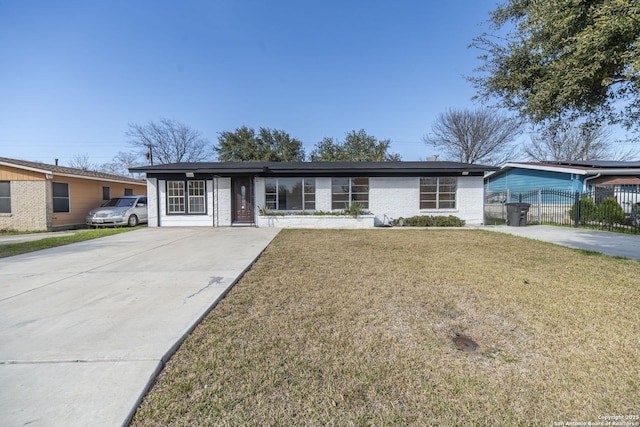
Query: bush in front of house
[(428, 221), (588, 211), (610, 212)]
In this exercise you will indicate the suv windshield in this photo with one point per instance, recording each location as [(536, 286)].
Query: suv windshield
[(121, 202)]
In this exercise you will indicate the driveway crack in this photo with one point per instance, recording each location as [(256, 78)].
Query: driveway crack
[(215, 280)]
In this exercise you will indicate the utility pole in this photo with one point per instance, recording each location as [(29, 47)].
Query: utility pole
[(149, 155)]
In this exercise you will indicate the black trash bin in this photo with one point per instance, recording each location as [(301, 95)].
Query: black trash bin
[(517, 214)]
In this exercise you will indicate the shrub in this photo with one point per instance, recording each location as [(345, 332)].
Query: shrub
[(610, 212), (354, 209), (429, 221), (588, 211)]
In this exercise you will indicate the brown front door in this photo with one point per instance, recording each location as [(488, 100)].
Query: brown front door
[(242, 200)]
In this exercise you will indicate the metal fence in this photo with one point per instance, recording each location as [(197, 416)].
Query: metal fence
[(615, 208)]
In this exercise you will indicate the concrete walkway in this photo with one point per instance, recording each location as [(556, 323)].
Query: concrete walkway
[(609, 243), (85, 328)]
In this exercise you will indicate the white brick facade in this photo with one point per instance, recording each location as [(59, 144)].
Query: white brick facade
[(389, 198)]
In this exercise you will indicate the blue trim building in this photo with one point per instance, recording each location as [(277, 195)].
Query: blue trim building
[(568, 176)]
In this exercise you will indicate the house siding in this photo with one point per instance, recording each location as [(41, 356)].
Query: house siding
[(85, 195), (32, 201), (527, 179)]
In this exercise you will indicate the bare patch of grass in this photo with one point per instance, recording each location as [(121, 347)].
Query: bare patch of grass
[(356, 328)]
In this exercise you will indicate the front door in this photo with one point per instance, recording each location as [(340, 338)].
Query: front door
[(242, 199)]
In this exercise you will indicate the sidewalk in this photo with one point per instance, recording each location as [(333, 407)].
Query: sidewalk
[(609, 243)]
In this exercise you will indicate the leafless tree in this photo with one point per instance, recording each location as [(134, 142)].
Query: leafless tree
[(168, 141), (81, 161), (121, 163), (480, 136), (574, 141)]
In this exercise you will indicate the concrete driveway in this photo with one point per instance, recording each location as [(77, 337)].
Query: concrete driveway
[(606, 242), (84, 328)]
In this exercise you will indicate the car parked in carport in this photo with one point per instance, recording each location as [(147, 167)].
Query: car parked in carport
[(119, 211)]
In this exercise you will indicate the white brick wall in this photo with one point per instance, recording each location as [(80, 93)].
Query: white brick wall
[(323, 194), (312, 221), (394, 197), (389, 198), (152, 201), (222, 202), (400, 197)]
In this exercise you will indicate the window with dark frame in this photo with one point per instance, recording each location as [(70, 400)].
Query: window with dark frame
[(186, 197), (106, 193), (60, 197), (290, 194), (345, 191), (5, 197), (128, 191), (438, 192)]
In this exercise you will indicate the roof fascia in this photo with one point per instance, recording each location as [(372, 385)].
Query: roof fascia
[(29, 168), (96, 178)]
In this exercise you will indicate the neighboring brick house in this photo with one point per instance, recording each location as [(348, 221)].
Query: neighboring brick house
[(284, 194), (38, 196)]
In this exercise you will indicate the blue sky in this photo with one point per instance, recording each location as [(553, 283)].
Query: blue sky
[(75, 73)]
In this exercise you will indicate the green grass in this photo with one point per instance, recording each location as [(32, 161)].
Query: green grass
[(12, 249), (339, 327)]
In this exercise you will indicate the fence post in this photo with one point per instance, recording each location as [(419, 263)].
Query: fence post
[(539, 206), (576, 210)]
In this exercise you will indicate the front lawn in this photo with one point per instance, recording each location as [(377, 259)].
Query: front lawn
[(339, 327)]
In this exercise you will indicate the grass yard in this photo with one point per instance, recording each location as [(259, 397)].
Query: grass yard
[(355, 328), (12, 249)]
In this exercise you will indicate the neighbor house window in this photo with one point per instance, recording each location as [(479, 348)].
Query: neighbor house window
[(438, 193), (290, 194), (60, 197), (106, 193), (5, 197), (128, 191), (345, 191), (186, 197)]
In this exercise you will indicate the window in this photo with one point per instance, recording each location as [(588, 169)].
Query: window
[(175, 197), (5, 197), (438, 193), (191, 201), (196, 197), (128, 191), (106, 193), (345, 191), (60, 197), (290, 194)]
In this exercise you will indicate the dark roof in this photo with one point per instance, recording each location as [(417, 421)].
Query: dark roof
[(317, 168), (64, 170), (610, 164), (586, 164)]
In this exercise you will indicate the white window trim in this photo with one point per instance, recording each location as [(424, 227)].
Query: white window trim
[(304, 194), (438, 208), (351, 193), (186, 198)]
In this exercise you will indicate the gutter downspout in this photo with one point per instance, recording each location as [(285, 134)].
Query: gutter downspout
[(584, 183)]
